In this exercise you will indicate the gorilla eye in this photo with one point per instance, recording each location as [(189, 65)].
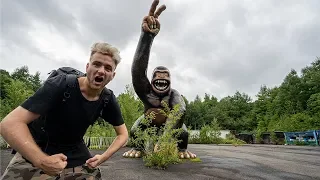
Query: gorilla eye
[(155, 75)]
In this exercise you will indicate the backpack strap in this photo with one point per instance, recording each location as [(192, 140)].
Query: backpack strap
[(106, 95), (71, 83)]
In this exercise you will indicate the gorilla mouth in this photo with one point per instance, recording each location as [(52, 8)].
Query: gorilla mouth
[(161, 85)]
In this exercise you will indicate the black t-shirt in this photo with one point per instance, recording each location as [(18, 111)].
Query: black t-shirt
[(67, 121)]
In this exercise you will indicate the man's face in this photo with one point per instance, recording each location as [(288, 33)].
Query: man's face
[(161, 82), (100, 70)]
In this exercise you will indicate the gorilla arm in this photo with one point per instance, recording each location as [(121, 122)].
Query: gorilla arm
[(149, 29), (177, 99), (140, 80)]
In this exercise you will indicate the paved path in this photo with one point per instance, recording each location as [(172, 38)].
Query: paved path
[(220, 162)]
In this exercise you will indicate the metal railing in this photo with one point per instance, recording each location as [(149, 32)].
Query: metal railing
[(95, 142), (98, 142)]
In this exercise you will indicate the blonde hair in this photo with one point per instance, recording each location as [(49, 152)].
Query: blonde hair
[(107, 49)]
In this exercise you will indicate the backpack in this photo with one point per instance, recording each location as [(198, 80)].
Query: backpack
[(37, 127)]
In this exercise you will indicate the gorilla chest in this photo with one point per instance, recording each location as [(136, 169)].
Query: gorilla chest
[(158, 102)]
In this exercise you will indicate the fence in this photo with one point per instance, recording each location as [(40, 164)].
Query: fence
[(98, 142), (95, 142), (196, 133)]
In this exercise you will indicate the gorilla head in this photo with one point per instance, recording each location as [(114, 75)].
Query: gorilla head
[(161, 80)]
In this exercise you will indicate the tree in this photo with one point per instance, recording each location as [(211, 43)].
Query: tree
[(5, 79), (131, 107), (310, 79), (313, 104), (16, 92), (22, 74)]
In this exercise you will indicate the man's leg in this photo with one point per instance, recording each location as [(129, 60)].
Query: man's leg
[(19, 168)]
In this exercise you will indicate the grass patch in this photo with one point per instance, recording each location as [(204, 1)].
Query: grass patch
[(196, 160)]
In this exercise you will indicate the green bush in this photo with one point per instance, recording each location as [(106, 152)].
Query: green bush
[(165, 138), (231, 139), (100, 129), (209, 134)]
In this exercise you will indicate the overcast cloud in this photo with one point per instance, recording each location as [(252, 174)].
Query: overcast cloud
[(215, 47)]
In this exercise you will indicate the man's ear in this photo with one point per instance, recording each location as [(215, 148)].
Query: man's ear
[(114, 74), (87, 66)]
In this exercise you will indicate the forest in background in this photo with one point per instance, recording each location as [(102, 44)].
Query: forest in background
[(293, 105)]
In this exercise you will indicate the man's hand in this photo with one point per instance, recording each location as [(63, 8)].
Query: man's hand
[(151, 23), (94, 161), (53, 165)]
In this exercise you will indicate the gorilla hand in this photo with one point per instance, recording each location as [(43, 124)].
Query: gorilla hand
[(151, 23)]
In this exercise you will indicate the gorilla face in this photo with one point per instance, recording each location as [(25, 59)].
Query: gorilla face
[(161, 80)]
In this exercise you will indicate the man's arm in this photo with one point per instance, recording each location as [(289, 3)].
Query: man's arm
[(15, 131), (119, 141), (14, 127), (111, 114)]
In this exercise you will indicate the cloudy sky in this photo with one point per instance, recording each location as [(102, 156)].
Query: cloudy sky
[(214, 47)]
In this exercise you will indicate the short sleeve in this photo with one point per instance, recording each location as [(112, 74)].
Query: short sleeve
[(45, 98), (112, 112)]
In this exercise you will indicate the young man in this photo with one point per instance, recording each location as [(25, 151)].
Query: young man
[(63, 153)]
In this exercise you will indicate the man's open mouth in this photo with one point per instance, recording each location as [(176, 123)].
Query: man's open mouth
[(161, 84), (98, 79)]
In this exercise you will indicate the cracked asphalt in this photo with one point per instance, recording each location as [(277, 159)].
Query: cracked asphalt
[(218, 162)]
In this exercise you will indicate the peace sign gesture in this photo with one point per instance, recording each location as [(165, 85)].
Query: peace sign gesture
[(151, 23)]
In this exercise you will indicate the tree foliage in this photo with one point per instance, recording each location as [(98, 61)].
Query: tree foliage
[(16, 88), (294, 105), (131, 107)]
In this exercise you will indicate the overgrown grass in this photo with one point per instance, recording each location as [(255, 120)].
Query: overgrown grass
[(160, 144), (231, 139)]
